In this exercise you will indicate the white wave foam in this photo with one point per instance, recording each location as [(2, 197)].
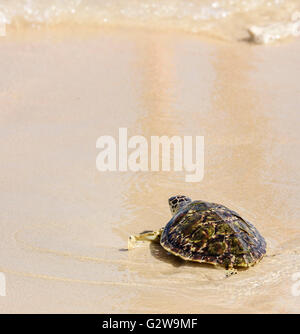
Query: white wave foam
[(268, 20)]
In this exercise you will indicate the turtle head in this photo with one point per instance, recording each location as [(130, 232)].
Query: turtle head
[(178, 202)]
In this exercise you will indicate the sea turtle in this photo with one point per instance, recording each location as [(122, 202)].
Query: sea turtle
[(208, 233)]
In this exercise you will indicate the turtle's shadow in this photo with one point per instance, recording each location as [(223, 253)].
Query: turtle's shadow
[(161, 254)]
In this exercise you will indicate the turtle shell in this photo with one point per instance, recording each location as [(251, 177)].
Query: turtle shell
[(211, 233)]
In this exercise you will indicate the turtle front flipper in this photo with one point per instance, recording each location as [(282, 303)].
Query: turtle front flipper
[(153, 236)]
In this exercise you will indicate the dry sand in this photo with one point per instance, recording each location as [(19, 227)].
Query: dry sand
[(64, 225)]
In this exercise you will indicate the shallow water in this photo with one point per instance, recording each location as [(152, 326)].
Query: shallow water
[(64, 225), (222, 19)]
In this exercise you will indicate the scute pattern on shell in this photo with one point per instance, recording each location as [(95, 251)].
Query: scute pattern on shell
[(211, 233)]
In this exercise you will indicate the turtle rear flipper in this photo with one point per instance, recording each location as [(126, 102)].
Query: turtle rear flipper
[(231, 271)]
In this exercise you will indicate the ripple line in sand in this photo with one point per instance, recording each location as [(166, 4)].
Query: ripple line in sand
[(159, 286), (92, 282), (73, 280), (82, 258)]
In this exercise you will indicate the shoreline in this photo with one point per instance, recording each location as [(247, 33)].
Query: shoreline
[(64, 224)]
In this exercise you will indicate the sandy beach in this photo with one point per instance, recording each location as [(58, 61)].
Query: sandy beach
[(64, 224)]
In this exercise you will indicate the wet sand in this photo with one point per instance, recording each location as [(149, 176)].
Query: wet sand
[(64, 225)]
